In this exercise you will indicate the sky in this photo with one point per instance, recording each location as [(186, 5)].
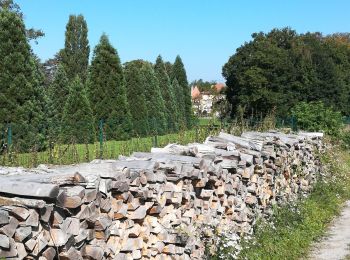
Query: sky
[(205, 33)]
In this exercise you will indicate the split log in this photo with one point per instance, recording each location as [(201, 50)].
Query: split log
[(28, 189), (30, 203)]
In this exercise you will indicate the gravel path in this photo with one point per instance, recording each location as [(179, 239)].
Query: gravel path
[(336, 243)]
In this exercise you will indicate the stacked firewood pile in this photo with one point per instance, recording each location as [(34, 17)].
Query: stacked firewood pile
[(151, 205)]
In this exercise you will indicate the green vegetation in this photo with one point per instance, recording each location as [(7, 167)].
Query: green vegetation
[(281, 68), (315, 116), (75, 55), (206, 86), (179, 99), (168, 94), (131, 101), (77, 153), (107, 93), (32, 34), (77, 120), (20, 94), (179, 73), (135, 92), (57, 95), (154, 100)]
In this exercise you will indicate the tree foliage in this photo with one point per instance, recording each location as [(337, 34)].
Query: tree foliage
[(136, 97), (78, 125), (107, 93), (154, 100), (75, 55), (58, 92), (179, 98), (10, 5), (204, 85), (315, 116), (168, 94), (179, 73), (20, 90), (282, 68)]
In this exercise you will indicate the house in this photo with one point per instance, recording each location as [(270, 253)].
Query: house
[(204, 101)]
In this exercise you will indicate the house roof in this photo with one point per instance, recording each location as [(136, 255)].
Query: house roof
[(219, 87), (195, 93)]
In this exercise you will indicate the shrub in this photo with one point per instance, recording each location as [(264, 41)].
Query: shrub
[(315, 116)]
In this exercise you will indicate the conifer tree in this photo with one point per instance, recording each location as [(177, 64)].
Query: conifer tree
[(20, 103), (171, 111), (136, 98), (179, 98), (154, 99), (179, 73), (10, 5), (168, 68), (58, 92), (75, 55), (77, 121), (107, 93)]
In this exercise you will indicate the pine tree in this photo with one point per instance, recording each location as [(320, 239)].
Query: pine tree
[(75, 55), (58, 93), (171, 112), (20, 103), (107, 91), (77, 121), (179, 72), (136, 98), (154, 99)]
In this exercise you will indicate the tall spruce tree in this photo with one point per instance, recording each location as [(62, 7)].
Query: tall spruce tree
[(75, 55), (78, 124), (179, 73), (107, 93), (171, 111), (154, 99), (136, 98), (58, 92), (20, 103)]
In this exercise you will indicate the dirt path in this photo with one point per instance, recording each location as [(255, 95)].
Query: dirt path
[(336, 243)]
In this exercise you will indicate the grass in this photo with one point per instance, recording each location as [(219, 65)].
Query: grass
[(77, 153), (208, 121), (295, 227)]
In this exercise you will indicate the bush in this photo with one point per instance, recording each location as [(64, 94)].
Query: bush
[(345, 139), (315, 116)]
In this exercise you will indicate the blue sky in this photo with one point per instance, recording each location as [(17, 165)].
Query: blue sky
[(203, 32)]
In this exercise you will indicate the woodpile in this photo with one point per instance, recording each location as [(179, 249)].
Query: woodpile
[(152, 205)]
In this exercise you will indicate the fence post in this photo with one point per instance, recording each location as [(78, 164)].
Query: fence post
[(101, 137)]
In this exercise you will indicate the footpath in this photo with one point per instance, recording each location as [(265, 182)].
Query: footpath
[(336, 242)]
